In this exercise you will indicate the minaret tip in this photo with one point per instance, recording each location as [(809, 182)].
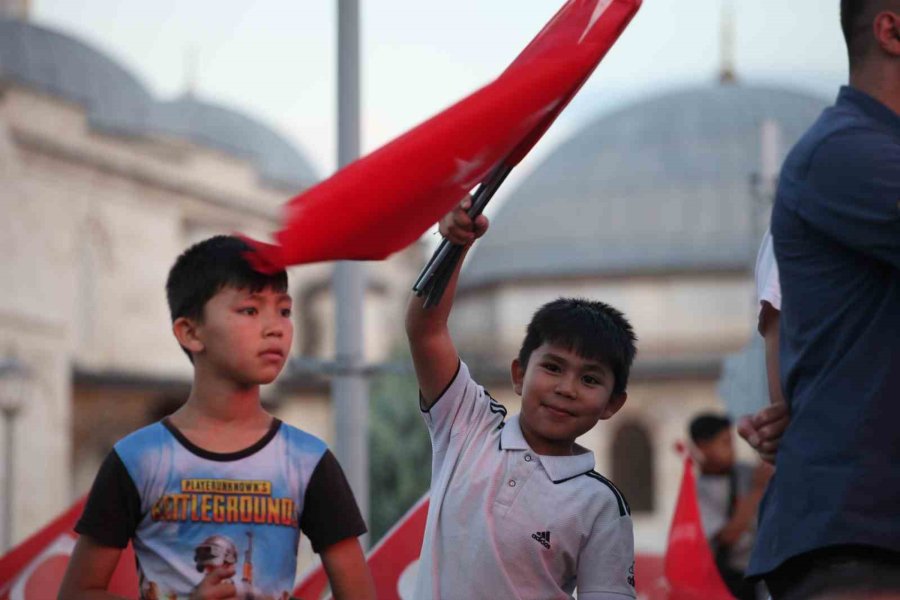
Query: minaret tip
[(727, 71)]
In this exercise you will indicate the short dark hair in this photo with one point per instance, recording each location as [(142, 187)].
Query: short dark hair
[(592, 329), (707, 426), (209, 266), (856, 22)]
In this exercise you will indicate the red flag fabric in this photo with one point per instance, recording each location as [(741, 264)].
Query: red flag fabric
[(34, 569), (386, 200), (689, 566), (392, 561)]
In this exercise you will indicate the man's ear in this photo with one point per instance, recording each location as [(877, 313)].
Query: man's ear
[(886, 28), (616, 401), (517, 372), (186, 333)]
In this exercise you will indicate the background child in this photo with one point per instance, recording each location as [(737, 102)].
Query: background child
[(728, 493), (221, 486), (517, 510)]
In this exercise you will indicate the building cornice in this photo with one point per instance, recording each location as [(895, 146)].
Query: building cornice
[(139, 172)]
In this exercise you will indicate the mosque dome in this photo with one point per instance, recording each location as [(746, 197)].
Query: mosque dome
[(660, 185), (116, 101)]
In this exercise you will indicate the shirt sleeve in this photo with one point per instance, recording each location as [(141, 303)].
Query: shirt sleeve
[(113, 508), (463, 408), (712, 501), (856, 177), (606, 562), (330, 513), (768, 288)]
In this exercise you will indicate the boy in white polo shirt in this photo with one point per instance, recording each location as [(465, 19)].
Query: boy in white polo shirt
[(517, 510)]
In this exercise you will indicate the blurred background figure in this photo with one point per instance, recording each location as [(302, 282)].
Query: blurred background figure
[(728, 492)]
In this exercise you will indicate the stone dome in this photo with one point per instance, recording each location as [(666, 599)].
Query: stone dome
[(660, 185), (116, 101)]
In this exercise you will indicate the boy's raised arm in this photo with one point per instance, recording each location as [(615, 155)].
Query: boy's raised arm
[(434, 355)]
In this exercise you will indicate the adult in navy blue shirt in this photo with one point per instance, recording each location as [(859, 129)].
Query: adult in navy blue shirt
[(830, 520)]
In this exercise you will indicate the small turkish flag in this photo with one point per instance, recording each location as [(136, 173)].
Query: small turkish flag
[(393, 560), (383, 202), (689, 565)]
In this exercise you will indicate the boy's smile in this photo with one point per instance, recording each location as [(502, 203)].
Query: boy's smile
[(246, 336), (563, 397)]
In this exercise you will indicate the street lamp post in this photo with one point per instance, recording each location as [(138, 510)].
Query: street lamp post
[(349, 387), (13, 380)]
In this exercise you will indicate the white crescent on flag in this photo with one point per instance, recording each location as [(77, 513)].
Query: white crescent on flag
[(24, 589)]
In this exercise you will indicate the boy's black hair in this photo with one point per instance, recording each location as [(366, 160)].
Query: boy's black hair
[(209, 266), (591, 329), (706, 426)]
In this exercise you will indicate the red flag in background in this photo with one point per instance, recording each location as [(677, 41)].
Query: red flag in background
[(34, 569), (392, 561), (386, 200), (689, 565)]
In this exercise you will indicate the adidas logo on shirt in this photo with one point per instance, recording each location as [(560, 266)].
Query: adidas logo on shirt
[(543, 537)]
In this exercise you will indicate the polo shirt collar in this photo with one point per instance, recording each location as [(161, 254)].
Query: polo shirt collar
[(558, 468), (871, 106)]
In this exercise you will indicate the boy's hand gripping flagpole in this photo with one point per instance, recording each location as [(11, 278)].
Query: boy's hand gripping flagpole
[(386, 200), (436, 275)]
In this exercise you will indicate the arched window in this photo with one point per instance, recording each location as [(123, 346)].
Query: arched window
[(632, 462)]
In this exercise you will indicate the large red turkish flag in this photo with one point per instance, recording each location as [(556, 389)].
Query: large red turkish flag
[(689, 566), (386, 200), (34, 569)]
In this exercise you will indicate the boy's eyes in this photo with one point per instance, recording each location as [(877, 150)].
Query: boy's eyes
[(253, 311), (586, 379)]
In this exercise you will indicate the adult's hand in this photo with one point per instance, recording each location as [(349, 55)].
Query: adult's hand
[(763, 431)]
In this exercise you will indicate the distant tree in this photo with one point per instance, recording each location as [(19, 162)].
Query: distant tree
[(399, 446)]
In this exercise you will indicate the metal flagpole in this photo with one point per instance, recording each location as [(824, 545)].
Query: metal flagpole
[(349, 390)]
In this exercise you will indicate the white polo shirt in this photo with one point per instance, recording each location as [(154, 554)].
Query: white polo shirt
[(768, 288), (505, 523)]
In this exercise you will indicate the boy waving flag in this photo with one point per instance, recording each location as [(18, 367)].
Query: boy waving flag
[(517, 509)]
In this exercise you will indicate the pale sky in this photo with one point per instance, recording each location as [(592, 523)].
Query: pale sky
[(275, 59)]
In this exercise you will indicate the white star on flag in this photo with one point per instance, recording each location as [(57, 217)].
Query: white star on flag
[(599, 9)]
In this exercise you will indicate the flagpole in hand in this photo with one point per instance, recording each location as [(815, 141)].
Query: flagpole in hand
[(433, 279)]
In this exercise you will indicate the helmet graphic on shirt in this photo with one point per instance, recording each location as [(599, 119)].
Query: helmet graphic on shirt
[(215, 551)]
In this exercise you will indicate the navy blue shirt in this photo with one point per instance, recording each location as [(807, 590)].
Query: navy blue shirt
[(836, 230)]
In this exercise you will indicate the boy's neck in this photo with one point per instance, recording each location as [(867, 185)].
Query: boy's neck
[(214, 400)]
